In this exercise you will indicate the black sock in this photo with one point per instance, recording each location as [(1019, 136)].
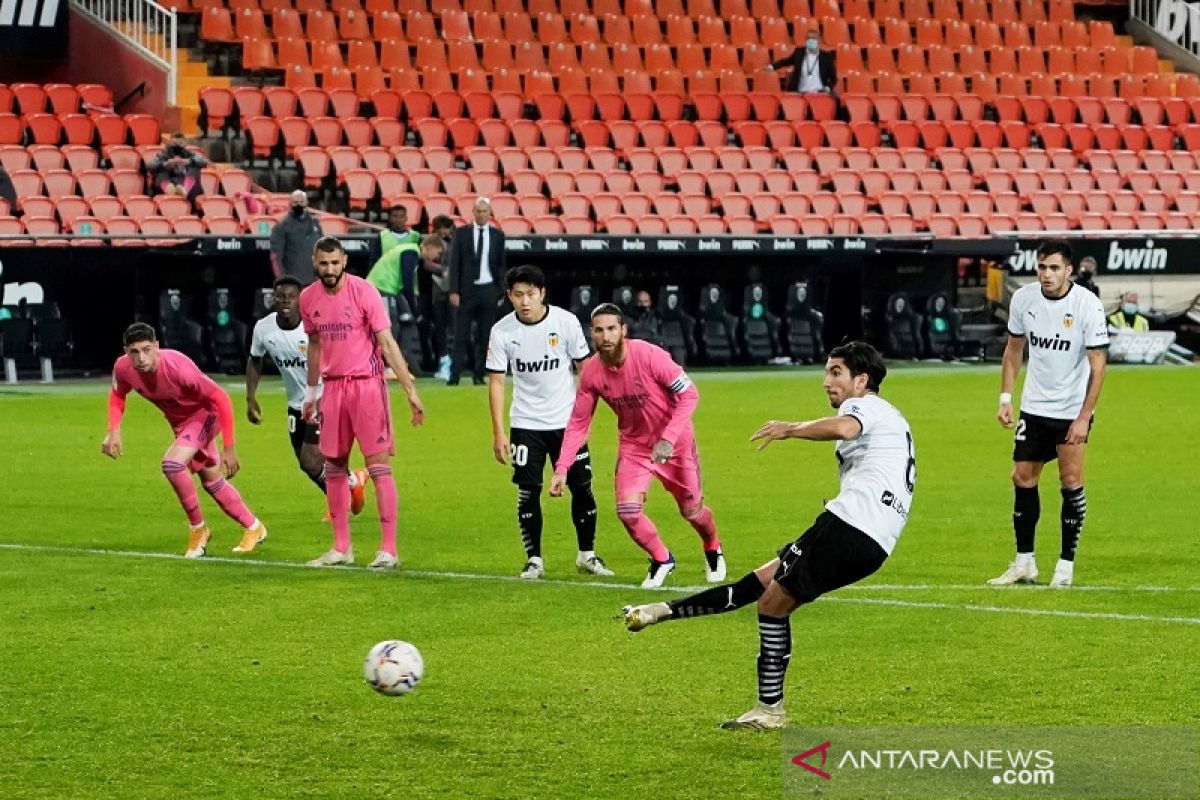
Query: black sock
[(718, 599), (774, 652), (318, 478), (583, 514), (529, 519), (1026, 509), (1074, 509)]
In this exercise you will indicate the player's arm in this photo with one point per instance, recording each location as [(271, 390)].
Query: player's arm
[(826, 429), (1098, 362), (576, 433), (497, 367), (1010, 365), (685, 398), (395, 359), (312, 394), (112, 446), (253, 376)]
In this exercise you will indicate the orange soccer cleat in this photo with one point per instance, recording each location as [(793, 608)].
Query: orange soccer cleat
[(358, 493)]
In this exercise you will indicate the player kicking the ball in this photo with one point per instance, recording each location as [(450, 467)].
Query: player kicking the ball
[(540, 343), (848, 542), (654, 400), (280, 336), (196, 409), (349, 341)]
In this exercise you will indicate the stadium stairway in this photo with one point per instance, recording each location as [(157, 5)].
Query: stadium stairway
[(194, 73)]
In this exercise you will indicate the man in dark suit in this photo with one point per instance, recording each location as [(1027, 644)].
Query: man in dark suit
[(813, 69), (477, 266)]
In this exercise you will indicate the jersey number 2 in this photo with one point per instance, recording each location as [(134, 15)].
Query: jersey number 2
[(1019, 435)]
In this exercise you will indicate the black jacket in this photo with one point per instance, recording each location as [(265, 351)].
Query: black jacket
[(463, 269), (825, 66)]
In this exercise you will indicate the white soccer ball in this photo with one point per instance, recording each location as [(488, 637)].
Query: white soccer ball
[(393, 667)]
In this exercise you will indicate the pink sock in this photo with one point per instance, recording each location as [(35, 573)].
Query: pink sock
[(642, 530), (230, 502), (337, 491), (181, 481), (386, 502), (706, 526)]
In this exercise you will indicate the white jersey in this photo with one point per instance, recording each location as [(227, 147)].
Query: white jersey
[(289, 351), (1059, 332), (878, 471), (540, 355)]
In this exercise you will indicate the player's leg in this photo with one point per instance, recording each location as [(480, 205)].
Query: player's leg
[(206, 464), (527, 452), (308, 455), (681, 477), (175, 469), (583, 507), (1074, 509), (717, 600), (336, 441), (632, 481), (1032, 448), (372, 425)]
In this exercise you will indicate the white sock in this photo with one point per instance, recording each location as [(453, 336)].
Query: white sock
[(586, 554), (197, 527), (1024, 559)]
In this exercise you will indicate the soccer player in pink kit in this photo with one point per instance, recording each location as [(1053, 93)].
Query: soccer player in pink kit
[(196, 408), (654, 400), (349, 341)]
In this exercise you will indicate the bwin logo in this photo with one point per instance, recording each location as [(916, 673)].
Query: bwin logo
[(1145, 259), (545, 365), (1057, 343), (287, 363), (28, 8)]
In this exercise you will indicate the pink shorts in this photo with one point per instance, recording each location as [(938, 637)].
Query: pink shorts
[(356, 410), (199, 431), (680, 475)]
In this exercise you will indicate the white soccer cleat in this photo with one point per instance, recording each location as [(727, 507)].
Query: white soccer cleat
[(1064, 575), (532, 570), (639, 617), (1017, 572), (762, 717), (384, 561), (714, 566), (658, 572), (333, 558), (594, 565)]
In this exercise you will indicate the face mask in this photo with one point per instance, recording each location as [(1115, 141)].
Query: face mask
[(298, 211), (812, 45), (1129, 308)]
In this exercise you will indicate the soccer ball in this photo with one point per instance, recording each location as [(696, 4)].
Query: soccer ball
[(393, 667)]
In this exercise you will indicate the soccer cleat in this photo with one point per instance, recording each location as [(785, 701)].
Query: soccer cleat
[(384, 561), (639, 617), (714, 566), (333, 558), (197, 542), (593, 564), (763, 717), (658, 572), (443, 370), (251, 538), (358, 494), (1064, 575), (327, 518), (1016, 573), (531, 571)]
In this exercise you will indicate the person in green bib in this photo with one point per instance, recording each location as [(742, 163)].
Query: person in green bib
[(395, 257), (1127, 317)]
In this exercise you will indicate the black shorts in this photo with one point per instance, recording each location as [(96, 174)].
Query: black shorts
[(528, 451), (301, 432), (1037, 438), (829, 555)]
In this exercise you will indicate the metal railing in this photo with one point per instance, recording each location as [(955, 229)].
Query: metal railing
[(145, 26), (1175, 20)]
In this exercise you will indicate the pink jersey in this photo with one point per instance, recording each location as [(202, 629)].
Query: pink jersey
[(177, 388), (346, 322), (651, 395)]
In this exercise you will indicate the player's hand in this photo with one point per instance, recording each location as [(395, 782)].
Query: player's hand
[(229, 462), (112, 446), (1077, 433), (770, 431), (311, 409), (500, 448), (253, 412), (1005, 415), (454, 298), (663, 450), (418, 410), (556, 485)]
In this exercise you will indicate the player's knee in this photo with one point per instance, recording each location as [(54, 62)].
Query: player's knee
[(1024, 478), (581, 486), (528, 492), (629, 513), (691, 512), (313, 464), (171, 467)]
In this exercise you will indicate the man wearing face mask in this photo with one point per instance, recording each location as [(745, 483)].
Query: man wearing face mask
[(293, 239), (1127, 318), (644, 323), (813, 69), (1086, 278)]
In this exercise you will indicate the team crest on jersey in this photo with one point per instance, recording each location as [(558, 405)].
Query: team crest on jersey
[(553, 339), (302, 347), (1068, 320)]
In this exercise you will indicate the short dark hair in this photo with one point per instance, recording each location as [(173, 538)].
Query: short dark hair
[(1055, 247), (609, 308), (329, 244), (287, 280), (525, 273), (138, 332), (442, 221), (398, 207), (862, 359)]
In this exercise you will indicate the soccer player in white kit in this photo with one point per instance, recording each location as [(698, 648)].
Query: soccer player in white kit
[(540, 344), (280, 336), (1068, 351), (846, 543)]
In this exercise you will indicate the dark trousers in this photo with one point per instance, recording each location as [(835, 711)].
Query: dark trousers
[(477, 306)]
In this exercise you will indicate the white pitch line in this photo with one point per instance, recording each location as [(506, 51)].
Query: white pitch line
[(1037, 612)]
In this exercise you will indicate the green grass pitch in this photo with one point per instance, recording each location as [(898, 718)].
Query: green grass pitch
[(129, 676)]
